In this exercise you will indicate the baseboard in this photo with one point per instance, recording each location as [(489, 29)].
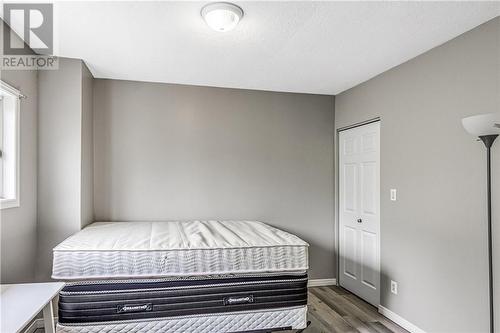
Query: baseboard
[(399, 320), (322, 282), (36, 324)]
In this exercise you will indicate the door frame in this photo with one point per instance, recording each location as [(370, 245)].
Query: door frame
[(337, 196)]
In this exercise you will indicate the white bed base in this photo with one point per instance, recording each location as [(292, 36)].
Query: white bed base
[(243, 321)]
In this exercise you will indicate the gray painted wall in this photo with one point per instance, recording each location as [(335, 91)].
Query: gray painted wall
[(434, 237), (64, 205), (87, 159), (169, 152), (18, 225)]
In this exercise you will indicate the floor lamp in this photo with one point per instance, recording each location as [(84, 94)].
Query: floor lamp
[(487, 128)]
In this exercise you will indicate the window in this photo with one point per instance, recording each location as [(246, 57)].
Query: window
[(9, 146)]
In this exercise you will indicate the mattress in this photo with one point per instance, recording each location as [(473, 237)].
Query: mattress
[(105, 250), (242, 321), (106, 301)]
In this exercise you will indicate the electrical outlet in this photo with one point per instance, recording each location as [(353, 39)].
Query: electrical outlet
[(393, 194), (394, 287)]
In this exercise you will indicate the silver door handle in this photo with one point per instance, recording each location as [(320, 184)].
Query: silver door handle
[(360, 221)]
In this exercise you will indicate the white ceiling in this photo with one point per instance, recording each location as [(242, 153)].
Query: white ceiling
[(309, 47)]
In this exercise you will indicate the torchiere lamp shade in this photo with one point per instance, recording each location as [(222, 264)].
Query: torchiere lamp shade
[(483, 124)]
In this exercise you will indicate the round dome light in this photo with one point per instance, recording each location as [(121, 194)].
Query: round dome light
[(221, 16)]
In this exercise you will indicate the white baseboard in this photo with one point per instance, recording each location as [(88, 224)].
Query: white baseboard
[(399, 320), (322, 282), (36, 324)]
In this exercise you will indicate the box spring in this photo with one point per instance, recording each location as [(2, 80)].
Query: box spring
[(241, 321)]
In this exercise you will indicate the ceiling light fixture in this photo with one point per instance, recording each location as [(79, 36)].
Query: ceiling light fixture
[(221, 16)]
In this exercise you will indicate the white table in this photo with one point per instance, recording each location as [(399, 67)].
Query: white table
[(20, 303)]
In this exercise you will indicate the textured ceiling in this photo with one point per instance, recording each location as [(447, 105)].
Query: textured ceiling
[(311, 47)]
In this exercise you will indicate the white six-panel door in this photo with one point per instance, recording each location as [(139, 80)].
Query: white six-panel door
[(359, 211)]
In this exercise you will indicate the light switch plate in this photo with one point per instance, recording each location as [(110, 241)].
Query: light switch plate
[(393, 194)]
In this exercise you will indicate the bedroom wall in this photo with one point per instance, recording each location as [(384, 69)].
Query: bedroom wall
[(18, 225), (174, 152), (87, 159), (65, 119), (434, 237)]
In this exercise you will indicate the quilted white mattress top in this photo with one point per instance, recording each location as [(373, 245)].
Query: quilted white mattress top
[(155, 236), (163, 249)]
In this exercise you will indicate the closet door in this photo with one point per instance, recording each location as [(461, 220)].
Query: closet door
[(359, 211)]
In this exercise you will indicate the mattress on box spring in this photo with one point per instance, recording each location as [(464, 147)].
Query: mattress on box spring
[(105, 250), (93, 302)]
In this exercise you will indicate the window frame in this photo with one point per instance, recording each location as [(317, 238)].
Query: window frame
[(13, 200)]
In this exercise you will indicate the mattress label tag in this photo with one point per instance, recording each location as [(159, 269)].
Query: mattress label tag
[(238, 300), (134, 308)]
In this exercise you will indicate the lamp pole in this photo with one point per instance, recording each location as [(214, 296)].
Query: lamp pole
[(488, 142)]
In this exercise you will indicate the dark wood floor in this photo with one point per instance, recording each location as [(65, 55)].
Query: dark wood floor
[(335, 310)]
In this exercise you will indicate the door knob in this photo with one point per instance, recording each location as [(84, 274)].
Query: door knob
[(360, 220)]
